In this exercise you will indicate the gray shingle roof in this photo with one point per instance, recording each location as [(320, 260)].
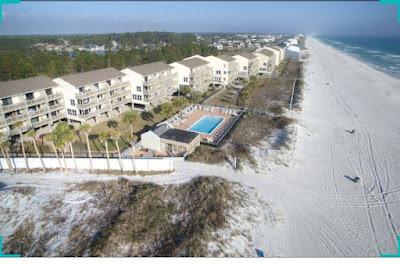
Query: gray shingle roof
[(90, 77), (179, 135), (226, 58), (22, 86), (247, 55), (193, 62), (150, 68)]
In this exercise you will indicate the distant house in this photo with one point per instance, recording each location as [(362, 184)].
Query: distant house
[(225, 69), (266, 61), (151, 84), (277, 54), (293, 52), (194, 72), (171, 140), (248, 65)]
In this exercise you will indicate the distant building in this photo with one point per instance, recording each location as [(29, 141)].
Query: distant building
[(293, 52), (225, 69), (248, 65), (94, 96), (172, 140), (37, 102), (151, 84), (194, 72), (266, 61)]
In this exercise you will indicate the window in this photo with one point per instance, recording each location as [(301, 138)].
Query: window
[(225, 72), (35, 119), (138, 88), (218, 72), (71, 112), (7, 101), (108, 82), (245, 68), (185, 79), (29, 96), (137, 97), (49, 91), (72, 101), (264, 64), (96, 85)]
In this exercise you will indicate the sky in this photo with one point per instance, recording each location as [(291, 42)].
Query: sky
[(322, 18)]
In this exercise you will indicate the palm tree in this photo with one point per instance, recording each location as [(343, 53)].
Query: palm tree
[(167, 109), (85, 128), (50, 138), (114, 134), (132, 140), (32, 135), (179, 102), (19, 125), (65, 135), (130, 117), (4, 146), (103, 137), (112, 124)]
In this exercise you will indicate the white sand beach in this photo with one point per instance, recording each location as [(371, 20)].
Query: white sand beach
[(321, 213)]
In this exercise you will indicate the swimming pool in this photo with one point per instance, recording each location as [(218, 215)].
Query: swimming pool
[(206, 124)]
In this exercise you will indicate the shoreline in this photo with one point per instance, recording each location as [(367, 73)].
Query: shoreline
[(358, 59)]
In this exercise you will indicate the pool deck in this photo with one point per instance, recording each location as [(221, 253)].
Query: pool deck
[(196, 115)]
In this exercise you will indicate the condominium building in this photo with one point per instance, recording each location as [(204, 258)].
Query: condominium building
[(194, 72), (35, 102), (225, 69), (94, 96), (266, 61), (279, 54), (151, 84), (248, 64)]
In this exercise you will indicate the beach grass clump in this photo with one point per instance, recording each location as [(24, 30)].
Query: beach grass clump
[(208, 155)]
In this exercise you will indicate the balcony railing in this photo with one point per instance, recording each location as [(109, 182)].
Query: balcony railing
[(54, 96), (16, 118), (57, 117), (41, 122), (88, 115), (38, 112), (13, 107), (15, 131), (86, 94), (87, 105), (36, 101), (56, 106)]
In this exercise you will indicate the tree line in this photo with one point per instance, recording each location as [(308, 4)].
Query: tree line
[(19, 58)]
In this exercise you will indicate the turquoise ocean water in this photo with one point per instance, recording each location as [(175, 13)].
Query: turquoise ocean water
[(382, 53)]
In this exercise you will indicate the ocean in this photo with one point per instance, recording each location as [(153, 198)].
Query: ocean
[(381, 53)]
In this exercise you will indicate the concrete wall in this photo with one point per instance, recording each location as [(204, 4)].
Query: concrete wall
[(138, 164)]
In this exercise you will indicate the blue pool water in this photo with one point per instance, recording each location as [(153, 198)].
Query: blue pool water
[(206, 124)]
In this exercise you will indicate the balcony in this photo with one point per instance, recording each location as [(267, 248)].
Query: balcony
[(90, 104), (103, 100), (105, 108), (86, 94), (16, 118), (56, 107), (36, 101), (13, 107), (41, 123), (54, 96), (89, 115), (57, 117), (122, 102), (14, 132), (118, 85), (38, 112)]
